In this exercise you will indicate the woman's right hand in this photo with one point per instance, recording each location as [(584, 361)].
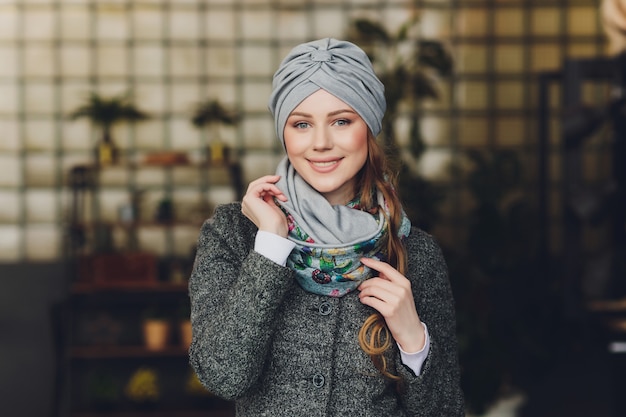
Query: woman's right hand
[(258, 205)]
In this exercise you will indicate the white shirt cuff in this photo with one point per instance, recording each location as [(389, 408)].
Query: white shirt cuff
[(416, 360), (272, 246)]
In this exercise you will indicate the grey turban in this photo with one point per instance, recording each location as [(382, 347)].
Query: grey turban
[(339, 67)]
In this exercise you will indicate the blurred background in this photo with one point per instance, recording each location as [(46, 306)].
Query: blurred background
[(123, 124)]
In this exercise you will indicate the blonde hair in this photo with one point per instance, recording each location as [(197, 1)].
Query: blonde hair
[(374, 336)]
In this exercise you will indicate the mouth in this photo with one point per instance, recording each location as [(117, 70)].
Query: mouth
[(323, 166)]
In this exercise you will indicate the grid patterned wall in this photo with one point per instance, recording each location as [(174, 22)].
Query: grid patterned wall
[(172, 54)]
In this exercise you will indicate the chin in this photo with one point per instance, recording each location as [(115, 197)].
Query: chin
[(324, 188)]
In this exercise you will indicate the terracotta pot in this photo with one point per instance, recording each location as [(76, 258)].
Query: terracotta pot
[(185, 333), (156, 334)]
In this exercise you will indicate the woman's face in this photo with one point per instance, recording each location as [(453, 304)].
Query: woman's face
[(326, 142)]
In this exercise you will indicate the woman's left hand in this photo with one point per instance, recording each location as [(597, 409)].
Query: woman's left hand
[(390, 294)]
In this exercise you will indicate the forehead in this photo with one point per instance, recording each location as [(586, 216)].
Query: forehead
[(321, 102)]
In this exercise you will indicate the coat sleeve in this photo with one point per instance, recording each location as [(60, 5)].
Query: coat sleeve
[(437, 390), (235, 295)]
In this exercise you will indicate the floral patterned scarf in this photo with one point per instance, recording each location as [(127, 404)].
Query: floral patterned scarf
[(327, 262)]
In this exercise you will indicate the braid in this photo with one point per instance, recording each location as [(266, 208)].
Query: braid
[(374, 336)]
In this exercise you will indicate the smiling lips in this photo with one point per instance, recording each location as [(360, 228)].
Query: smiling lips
[(324, 166)]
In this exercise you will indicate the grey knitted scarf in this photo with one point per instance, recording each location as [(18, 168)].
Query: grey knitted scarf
[(330, 240)]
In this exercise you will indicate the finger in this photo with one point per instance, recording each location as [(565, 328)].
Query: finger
[(266, 191), (377, 282), (261, 186), (384, 302), (384, 269), (267, 179), (383, 291), (377, 304)]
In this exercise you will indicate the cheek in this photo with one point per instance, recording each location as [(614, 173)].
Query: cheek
[(358, 143), (363, 156), (291, 145), (293, 153)]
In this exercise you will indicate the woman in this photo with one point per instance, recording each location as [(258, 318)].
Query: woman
[(314, 296)]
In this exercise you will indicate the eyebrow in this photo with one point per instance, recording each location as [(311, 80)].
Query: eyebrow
[(332, 113)]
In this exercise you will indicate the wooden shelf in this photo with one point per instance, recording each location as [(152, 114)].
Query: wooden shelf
[(607, 306), (110, 292), (226, 412), (140, 224), (138, 287), (124, 165), (116, 352)]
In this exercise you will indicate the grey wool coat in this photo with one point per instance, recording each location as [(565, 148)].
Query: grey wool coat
[(261, 340)]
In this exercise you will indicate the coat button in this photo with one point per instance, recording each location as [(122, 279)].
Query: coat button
[(325, 308), (318, 380)]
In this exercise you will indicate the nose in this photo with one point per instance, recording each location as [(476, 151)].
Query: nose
[(322, 140)]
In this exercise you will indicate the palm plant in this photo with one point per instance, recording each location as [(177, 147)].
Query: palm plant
[(212, 113), (104, 113), (501, 288), (408, 68)]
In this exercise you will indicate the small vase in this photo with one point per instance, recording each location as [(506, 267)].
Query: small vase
[(185, 333), (156, 334), (106, 152)]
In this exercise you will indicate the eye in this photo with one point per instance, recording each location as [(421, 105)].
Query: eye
[(300, 125), (342, 122)]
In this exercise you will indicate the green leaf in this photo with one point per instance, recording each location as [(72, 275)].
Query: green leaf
[(369, 31), (212, 111), (326, 264), (306, 259), (403, 31), (416, 143), (343, 268), (432, 54), (422, 86), (106, 111)]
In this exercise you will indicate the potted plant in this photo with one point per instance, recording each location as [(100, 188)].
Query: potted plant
[(143, 388), (501, 290), (104, 391), (212, 113), (104, 113), (408, 68), (156, 328)]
